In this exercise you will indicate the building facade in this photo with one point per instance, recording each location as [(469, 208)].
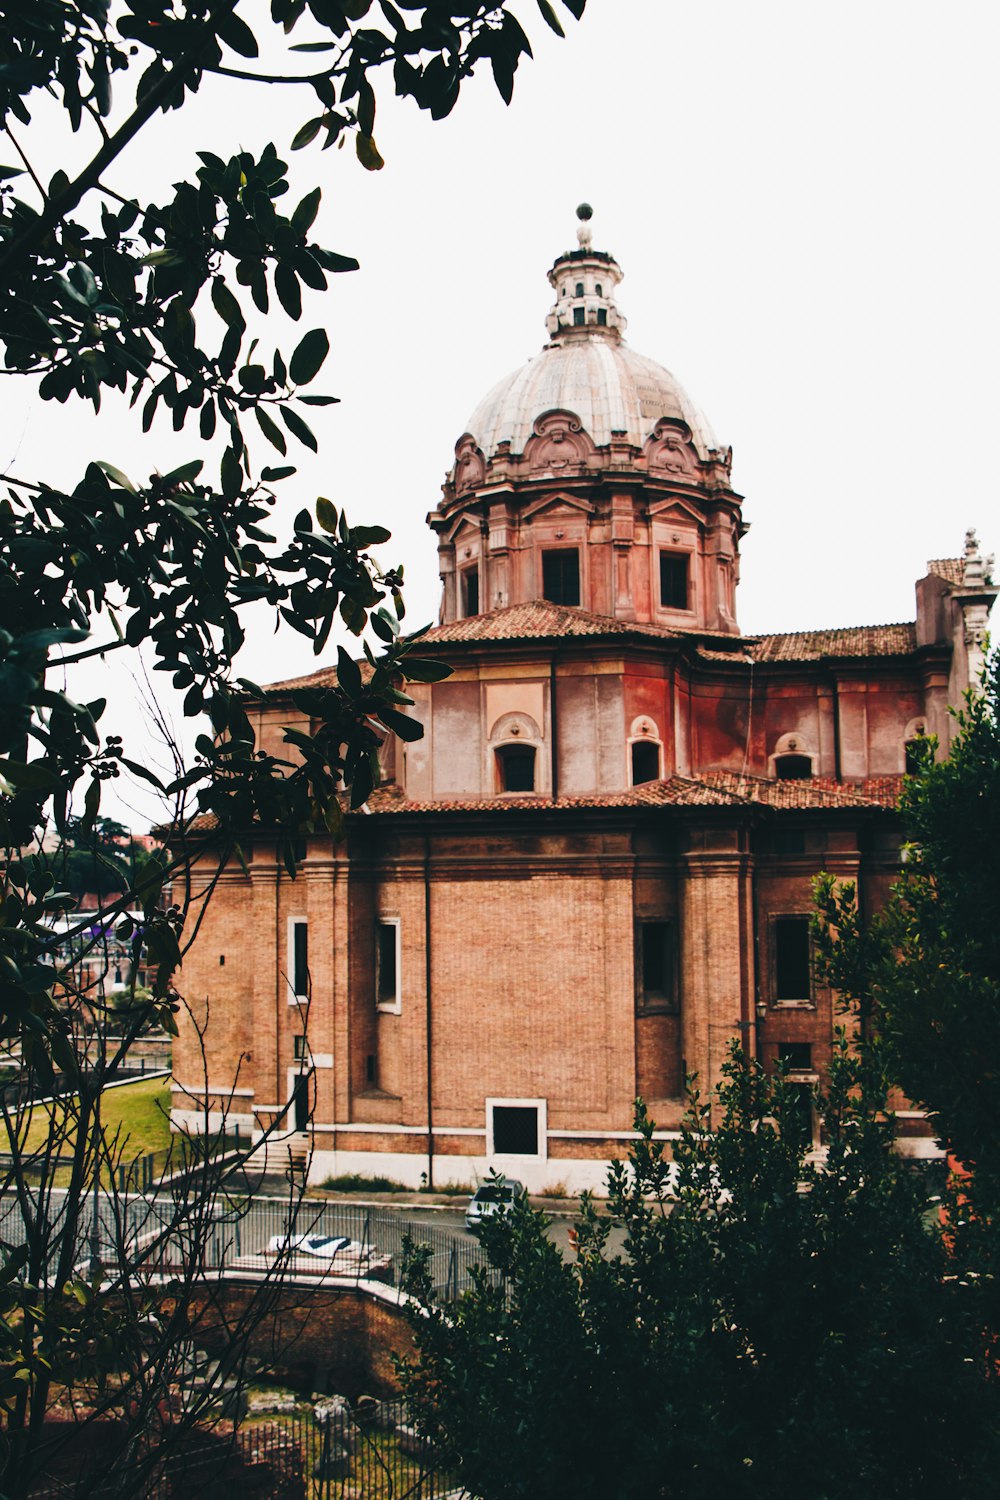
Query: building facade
[(593, 873)]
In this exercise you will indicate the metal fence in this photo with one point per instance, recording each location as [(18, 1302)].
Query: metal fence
[(329, 1452), (163, 1233)]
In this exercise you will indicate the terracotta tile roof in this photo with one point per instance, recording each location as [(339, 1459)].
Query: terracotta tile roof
[(850, 640), (951, 569), (713, 789), (541, 621)]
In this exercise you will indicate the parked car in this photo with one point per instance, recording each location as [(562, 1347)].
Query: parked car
[(497, 1196)]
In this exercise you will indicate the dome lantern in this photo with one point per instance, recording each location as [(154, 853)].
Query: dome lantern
[(584, 281)]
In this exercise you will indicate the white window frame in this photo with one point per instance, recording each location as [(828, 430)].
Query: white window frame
[(513, 1157), (390, 1007), (293, 922)]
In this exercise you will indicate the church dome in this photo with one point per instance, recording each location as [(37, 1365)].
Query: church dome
[(586, 369), (604, 382)]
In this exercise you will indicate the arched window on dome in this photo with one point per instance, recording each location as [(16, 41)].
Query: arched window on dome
[(515, 768), (599, 290), (792, 759), (579, 289), (516, 761), (793, 767), (645, 752)]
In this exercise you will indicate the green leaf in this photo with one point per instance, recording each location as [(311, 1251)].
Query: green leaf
[(91, 805), (368, 153), (184, 474), (550, 17), (117, 476), (306, 133), (270, 429), (368, 536), (305, 212), (349, 674), (226, 305), (326, 515), (401, 724), (32, 776), (237, 34), (298, 428), (308, 358), (422, 669), (231, 474), (286, 284), (271, 476)]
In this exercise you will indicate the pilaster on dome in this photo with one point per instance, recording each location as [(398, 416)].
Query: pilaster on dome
[(584, 281)]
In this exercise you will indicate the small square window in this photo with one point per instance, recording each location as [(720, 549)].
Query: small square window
[(792, 978), (516, 768), (561, 576), (674, 580), (796, 1056), (387, 963), (515, 1130)]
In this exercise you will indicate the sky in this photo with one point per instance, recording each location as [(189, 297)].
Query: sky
[(803, 199)]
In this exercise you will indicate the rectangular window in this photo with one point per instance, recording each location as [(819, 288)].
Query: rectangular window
[(655, 966), (300, 959), (797, 1056), (561, 576), (674, 580), (516, 768), (515, 1129), (470, 592), (387, 964), (300, 1049), (791, 959)]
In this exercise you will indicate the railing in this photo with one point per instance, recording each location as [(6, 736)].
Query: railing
[(165, 1233), (327, 1452)]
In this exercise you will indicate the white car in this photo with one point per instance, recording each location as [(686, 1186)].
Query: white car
[(494, 1197)]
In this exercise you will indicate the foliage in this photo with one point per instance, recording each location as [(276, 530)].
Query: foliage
[(157, 300), (927, 969), (358, 1182), (768, 1317)]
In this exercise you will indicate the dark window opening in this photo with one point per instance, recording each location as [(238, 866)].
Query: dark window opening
[(788, 841), (645, 761), (579, 289), (791, 958), (915, 751), (793, 767), (299, 1049), (674, 580), (516, 768), (370, 1067), (796, 1056), (599, 290), (602, 316), (656, 963), (222, 960), (470, 592), (578, 317), (300, 1102), (561, 576), (300, 958), (515, 1130), (386, 985)]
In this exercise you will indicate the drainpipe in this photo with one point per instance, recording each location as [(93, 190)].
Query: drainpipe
[(428, 1015), (759, 1005), (554, 727), (278, 997), (836, 729)]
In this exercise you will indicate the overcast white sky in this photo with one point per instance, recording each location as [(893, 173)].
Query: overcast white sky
[(803, 199)]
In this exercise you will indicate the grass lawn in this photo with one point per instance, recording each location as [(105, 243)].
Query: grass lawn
[(140, 1111)]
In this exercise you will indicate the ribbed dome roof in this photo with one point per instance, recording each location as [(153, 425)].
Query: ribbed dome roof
[(608, 386)]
